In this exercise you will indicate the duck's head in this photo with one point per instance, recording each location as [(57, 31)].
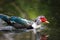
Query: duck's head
[(42, 19)]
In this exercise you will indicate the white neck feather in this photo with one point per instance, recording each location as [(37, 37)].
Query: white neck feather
[(34, 25)]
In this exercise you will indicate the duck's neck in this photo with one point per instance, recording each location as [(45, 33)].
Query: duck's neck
[(35, 25)]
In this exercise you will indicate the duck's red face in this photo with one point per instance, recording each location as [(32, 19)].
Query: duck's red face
[(43, 19)]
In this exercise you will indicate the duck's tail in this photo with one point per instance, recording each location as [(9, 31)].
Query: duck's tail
[(5, 18)]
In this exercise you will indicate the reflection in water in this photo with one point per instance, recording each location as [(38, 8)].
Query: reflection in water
[(7, 36), (17, 36)]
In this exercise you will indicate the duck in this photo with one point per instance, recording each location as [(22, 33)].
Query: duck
[(21, 23)]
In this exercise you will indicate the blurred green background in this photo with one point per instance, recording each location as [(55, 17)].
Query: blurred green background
[(30, 9)]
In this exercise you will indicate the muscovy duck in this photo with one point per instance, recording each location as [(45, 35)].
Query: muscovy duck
[(21, 23)]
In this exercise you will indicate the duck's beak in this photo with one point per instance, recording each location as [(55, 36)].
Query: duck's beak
[(46, 21)]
